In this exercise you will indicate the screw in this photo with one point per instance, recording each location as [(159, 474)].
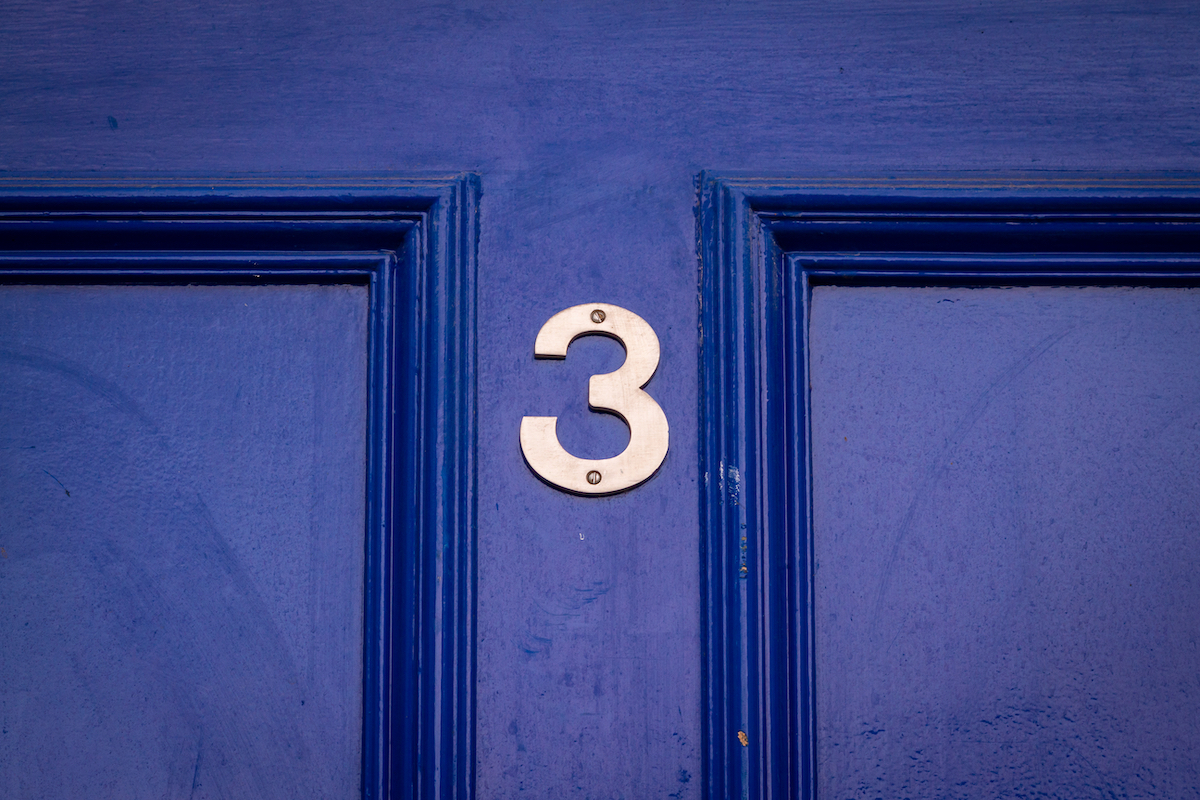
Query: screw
[(593, 477), (597, 316)]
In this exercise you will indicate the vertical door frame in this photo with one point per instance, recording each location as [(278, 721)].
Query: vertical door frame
[(413, 242), (763, 244)]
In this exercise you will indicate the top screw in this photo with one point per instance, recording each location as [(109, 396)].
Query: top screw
[(597, 316)]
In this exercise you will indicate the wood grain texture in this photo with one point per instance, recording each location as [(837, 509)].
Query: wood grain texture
[(717, 85)]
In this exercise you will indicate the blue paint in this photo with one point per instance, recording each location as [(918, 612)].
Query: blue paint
[(180, 579), (787, 676), (405, 525), (588, 124), (1002, 602)]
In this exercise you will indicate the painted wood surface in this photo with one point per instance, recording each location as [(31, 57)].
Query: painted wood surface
[(411, 243), (182, 579), (588, 124), (768, 245), (1006, 524)]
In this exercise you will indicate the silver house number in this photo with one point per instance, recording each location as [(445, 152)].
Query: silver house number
[(619, 392)]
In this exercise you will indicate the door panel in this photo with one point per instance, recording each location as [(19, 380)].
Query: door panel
[(1006, 530), (254, 574), (950, 526), (184, 489)]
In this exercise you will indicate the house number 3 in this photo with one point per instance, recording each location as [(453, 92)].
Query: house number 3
[(619, 392)]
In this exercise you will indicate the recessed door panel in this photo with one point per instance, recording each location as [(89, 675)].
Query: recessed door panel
[(183, 496), (1006, 534)]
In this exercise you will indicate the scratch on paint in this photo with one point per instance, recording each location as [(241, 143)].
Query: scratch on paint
[(935, 468), (56, 480), (3, 553), (196, 769)]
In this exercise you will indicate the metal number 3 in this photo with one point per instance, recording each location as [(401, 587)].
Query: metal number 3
[(619, 392)]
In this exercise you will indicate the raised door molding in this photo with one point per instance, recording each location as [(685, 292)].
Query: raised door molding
[(764, 243), (413, 241)]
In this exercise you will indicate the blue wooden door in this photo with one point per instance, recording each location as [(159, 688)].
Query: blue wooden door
[(515, 640)]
